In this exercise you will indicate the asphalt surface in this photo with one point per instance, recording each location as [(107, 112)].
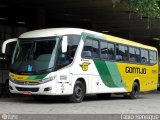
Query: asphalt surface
[(147, 103)]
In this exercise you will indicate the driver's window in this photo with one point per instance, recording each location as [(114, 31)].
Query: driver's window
[(66, 58)]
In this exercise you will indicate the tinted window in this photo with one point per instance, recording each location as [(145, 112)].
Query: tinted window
[(137, 55), (73, 41), (132, 54), (66, 58), (107, 51), (153, 57), (144, 56), (91, 49), (122, 53)]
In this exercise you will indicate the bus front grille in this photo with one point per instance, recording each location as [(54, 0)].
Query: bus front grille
[(27, 89), (28, 83)]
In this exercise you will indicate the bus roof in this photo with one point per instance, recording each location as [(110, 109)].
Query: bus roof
[(62, 31), (128, 42), (51, 32), (120, 40)]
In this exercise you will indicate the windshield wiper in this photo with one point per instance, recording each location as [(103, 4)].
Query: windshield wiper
[(45, 70)]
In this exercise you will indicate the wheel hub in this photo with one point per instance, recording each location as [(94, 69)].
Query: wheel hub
[(78, 92)]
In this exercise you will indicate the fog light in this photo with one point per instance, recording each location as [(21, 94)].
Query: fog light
[(48, 89), (10, 87)]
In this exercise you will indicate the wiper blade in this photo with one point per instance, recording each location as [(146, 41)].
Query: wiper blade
[(45, 70)]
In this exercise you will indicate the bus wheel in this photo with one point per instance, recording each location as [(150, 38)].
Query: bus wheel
[(103, 95), (78, 93), (135, 91)]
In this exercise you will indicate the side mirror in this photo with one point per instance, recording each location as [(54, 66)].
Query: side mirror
[(5, 44), (64, 44)]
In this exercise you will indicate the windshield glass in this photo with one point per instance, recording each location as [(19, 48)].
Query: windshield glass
[(34, 56)]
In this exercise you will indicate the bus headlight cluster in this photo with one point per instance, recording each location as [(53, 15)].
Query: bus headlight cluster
[(48, 79)]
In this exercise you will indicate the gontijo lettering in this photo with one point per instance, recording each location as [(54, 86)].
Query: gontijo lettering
[(135, 70)]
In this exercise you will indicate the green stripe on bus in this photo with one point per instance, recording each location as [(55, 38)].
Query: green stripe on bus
[(32, 77), (41, 76), (37, 77), (109, 73), (115, 74)]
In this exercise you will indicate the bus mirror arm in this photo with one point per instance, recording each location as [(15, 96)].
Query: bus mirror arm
[(6, 42), (64, 44)]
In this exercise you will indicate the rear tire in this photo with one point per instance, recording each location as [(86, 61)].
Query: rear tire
[(78, 92), (135, 91)]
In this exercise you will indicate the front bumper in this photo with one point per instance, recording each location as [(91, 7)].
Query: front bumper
[(48, 88)]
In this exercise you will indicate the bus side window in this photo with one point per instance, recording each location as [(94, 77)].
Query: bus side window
[(107, 50), (132, 54), (111, 48), (87, 53), (144, 56), (137, 55), (95, 49), (87, 50), (91, 49), (122, 53), (153, 57), (104, 50)]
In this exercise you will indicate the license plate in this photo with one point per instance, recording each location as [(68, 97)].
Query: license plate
[(27, 93)]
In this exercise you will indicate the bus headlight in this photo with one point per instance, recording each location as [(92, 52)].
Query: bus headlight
[(11, 79), (48, 79)]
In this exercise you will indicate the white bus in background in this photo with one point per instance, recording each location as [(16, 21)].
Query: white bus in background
[(75, 62)]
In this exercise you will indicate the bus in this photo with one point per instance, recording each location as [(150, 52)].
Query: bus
[(76, 62)]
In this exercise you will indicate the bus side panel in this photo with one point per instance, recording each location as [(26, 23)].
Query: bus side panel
[(110, 77), (146, 75), (63, 86)]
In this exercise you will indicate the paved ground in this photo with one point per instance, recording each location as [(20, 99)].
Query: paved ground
[(147, 103)]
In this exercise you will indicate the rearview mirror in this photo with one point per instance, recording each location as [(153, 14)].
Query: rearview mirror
[(64, 44), (5, 44)]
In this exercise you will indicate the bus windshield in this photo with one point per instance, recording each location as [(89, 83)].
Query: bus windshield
[(34, 55)]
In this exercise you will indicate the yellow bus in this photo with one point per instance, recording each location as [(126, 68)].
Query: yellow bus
[(76, 62)]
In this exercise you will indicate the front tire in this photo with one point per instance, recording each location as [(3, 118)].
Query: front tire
[(78, 92)]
